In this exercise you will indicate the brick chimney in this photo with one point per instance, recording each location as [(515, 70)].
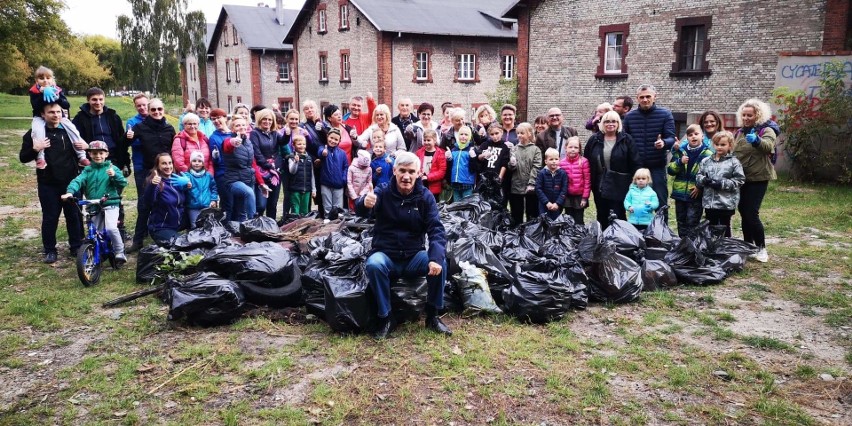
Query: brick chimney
[(279, 11)]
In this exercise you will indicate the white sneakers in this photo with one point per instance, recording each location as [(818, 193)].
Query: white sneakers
[(761, 256)]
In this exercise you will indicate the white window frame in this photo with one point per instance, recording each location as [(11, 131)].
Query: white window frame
[(344, 16), (508, 67), (614, 47), (467, 67), (323, 21), (345, 67), (283, 71), (422, 61), (323, 64)]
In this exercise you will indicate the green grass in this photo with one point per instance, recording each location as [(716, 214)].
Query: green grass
[(609, 364)]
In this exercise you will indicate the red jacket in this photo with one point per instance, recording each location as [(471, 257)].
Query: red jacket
[(579, 177), (434, 179), (183, 147)]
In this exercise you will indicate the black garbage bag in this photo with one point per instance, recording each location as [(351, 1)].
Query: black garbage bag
[(454, 226), (261, 228), (233, 227), (490, 188), (313, 290), (475, 292), (657, 275), (656, 253), (730, 253), (452, 297), (148, 263), (480, 255), (592, 248), (349, 305), (265, 264), (544, 291), (658, 233), (496, 220), (628, 240), (557, 248), (535, 230), (494, 240), (471, 208), (204, 299), (209, 215), (691, 266), (209, 234), (517, 239), (617, 279), (408, 298)]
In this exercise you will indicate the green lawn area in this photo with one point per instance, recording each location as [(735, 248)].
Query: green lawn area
[(757, 349)]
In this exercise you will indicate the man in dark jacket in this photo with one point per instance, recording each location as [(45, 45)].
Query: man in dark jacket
[(97, 122), (653, 131), (53, 181), (404, 119), (556, 135), (405, 212)]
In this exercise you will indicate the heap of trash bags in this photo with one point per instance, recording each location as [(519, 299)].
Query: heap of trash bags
[(536, 272)]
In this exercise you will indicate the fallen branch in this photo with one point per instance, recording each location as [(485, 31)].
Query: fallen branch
[(133, 296), (156, 388)]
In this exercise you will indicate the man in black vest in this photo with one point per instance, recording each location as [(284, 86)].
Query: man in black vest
[(556, 135)]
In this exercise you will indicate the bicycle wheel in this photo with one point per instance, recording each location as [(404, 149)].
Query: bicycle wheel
[(88, 270)]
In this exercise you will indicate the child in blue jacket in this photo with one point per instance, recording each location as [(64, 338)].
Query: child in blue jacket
[(334, 168), (382, 163), (551, 185), (641, 200), (203, 192), (462, 165)]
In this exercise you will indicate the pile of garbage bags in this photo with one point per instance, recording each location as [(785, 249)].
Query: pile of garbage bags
[(536, 272)]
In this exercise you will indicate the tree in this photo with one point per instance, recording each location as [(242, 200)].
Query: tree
[(108, 51), (24, 26), (155, 33)]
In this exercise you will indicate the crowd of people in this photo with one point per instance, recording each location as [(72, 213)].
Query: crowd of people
[(249, 160)]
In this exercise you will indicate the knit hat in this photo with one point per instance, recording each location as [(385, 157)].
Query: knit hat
[(363, 159), (218, 112), (328, 110), (196, 155)]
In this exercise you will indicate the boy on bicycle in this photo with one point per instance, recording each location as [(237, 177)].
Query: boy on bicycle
[(102, 178)]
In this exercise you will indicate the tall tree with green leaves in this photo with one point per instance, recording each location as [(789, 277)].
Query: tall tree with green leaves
[(154, 36), (24, 27)]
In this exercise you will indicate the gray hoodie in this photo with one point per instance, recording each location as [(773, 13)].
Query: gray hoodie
[(729, 171)]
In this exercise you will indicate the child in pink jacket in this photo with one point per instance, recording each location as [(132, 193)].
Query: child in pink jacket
[(359, 179), (579, 180)]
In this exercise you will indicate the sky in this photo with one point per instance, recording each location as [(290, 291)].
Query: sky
[(99, 16)]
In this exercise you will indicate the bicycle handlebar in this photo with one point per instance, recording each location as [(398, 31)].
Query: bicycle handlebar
[(90, 202)]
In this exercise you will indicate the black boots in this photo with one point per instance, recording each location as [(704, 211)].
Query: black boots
[(386, 326), (434, 323)]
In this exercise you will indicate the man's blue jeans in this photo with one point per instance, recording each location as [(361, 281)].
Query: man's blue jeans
[(660, 185), (382, 270)]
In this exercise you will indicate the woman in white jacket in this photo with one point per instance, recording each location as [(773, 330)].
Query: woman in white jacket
[(393, 136)]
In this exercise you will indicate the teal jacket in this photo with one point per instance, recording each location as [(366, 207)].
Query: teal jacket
[(643, 213), (95, 183), (684, 175)]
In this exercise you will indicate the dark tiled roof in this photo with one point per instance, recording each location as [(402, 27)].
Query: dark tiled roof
[(209, 34), (257, 26), (480, 18)]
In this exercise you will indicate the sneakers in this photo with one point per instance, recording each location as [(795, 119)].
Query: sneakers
[(120, 261), (41, 164), (83, 162), (136, 246), (50, 257), (761, 256)]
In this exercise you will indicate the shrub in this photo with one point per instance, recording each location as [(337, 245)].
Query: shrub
[(818, 130)]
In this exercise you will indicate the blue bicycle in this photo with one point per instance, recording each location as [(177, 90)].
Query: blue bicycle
[(97, 244)]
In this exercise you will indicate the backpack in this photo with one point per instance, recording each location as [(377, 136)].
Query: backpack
[(773, 156)]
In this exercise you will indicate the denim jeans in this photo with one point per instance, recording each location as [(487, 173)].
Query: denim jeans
[(268, 205), (382, 270), (246, 209), (224, 195)]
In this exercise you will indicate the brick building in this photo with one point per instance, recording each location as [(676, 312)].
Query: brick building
[(428, 50), (247, 59), (700, 55)]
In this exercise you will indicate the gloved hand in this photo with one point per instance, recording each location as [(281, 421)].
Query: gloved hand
[(179, 181), (125, 171), (509, 145), (353, 133), (318, 126), (50, 94), (472, 153), (716, 184), (513, 161), (215, 153), (271, 178), (752, 138), (409, 128), (706, 181)]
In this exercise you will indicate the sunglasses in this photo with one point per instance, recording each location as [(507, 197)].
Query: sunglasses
[(610, 122), (156, 109)]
